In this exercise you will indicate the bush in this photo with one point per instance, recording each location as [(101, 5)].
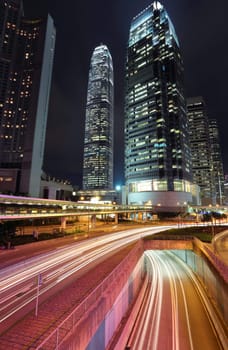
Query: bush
[(200, 232)]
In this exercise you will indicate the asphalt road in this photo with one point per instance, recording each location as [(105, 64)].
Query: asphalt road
[(174, 314), (20, 281)]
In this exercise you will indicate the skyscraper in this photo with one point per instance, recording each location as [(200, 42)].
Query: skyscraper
[(26, 58), (201, 148), (98, 142), (157, 153), (217, 164)]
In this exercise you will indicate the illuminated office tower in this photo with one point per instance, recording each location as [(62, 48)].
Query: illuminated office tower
[(26, 58), (217, 164), (157, 153), (98, 142), (200, 148)]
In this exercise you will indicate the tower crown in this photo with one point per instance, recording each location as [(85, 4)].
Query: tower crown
[(157, 5)]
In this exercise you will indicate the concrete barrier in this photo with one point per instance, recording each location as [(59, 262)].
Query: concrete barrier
[(95, 321), (89, 326)]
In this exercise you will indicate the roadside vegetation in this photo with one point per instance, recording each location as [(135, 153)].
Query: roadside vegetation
[(204, 233), (12, 233), (11, 237)]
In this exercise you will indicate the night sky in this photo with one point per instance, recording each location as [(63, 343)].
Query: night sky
[(81, 25)]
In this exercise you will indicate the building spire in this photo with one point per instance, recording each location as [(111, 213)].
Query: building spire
[(157, 5)]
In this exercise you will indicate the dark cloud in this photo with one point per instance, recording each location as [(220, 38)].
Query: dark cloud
[(83, 24)]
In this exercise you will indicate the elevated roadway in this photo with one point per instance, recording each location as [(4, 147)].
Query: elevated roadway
[(15, 208)]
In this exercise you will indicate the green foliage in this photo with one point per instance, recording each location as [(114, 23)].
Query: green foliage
[(204, 233), (24, 239)]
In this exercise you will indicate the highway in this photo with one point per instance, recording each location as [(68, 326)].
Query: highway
[(175, 310), (20, 283)]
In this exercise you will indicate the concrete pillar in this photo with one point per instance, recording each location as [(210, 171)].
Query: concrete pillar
[(63, 222), (89, 222), (133, 216), (93, 220), (140, 216)]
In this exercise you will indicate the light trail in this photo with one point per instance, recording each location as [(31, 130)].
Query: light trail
[(150, 311), (172, 313), (18, 283), (173, 268)]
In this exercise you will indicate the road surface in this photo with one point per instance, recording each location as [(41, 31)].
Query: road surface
[(174, 314), (21, 283)]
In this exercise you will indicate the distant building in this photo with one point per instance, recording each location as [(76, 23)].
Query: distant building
[(105, 196), (52, 188), (98, 142), (26, 58), (201, 149), (226, 190), (157, 152), (217, 164)]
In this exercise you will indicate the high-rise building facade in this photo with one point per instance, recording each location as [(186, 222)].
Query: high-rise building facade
[(157, 153), (217, 164), (98, 142), (201, 149), (26, 59), (226, 190)]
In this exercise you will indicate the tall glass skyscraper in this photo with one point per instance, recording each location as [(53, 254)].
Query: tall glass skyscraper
[(200, 148), (157, 153), (98, 142), (217, 163), (26, 59)]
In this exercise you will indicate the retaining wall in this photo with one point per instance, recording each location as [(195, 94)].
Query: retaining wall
[(98, 324), (96, 321)]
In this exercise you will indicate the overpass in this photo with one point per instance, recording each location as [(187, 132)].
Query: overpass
[(14, 208), (18, 207), (25, 207)]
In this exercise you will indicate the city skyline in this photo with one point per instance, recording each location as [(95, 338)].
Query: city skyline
[(98, 140), (200, 148), (77, 38), (157, 152), (27, 52)]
